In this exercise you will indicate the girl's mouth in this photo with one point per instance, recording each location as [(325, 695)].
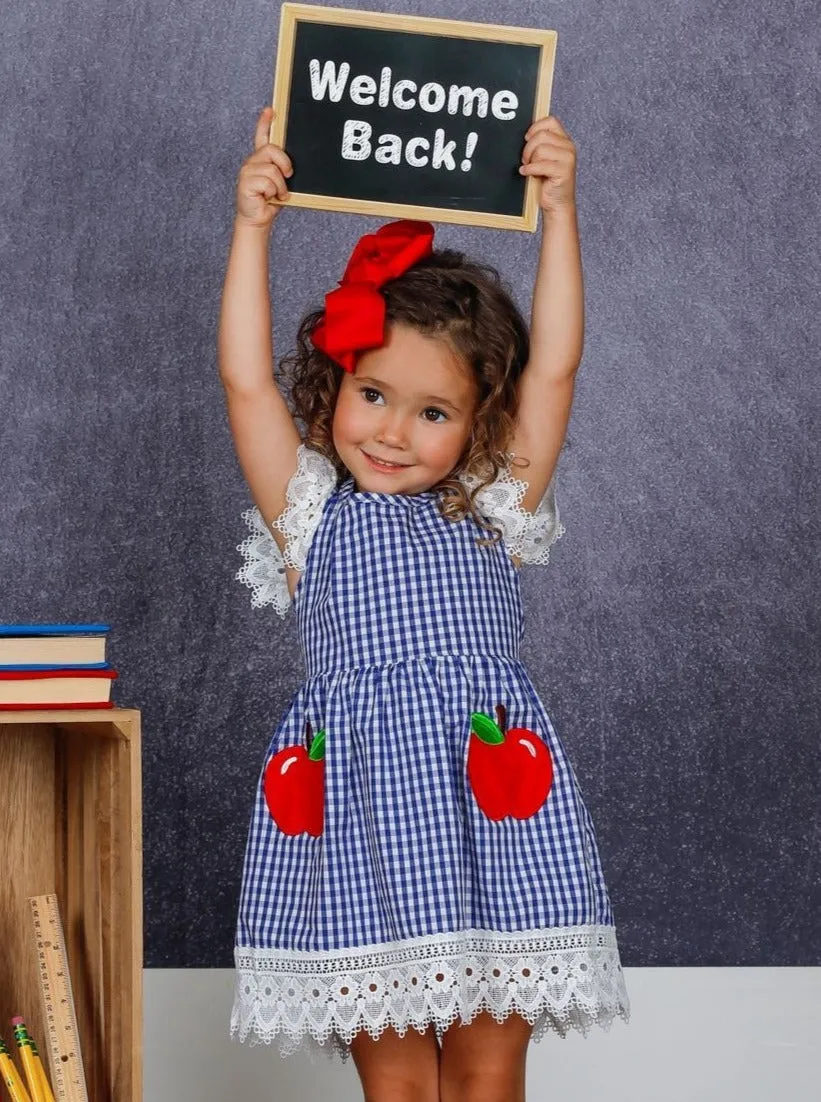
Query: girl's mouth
[(385, 468)]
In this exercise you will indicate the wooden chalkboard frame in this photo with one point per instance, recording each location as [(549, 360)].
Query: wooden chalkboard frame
[(291, 14)]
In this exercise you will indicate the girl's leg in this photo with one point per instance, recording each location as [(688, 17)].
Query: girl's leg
[(398, 1069), (484, 1061)]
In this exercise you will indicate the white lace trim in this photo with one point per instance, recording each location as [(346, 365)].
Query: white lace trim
[(264, 568), (528, 535), (318, 1001)]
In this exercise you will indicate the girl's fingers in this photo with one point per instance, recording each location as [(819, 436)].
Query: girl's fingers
[(541, 145), (262, 176), (272, 154), (549, 123), (263, 127), (538, 168), (267, 184), (548, 131), (542, 149)]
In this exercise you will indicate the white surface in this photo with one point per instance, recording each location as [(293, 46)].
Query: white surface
[(696, 1035)]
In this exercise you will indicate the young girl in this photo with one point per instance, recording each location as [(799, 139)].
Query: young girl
[(422, 886)]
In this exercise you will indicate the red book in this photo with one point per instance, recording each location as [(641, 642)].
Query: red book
[(77, 687), (55, 707)]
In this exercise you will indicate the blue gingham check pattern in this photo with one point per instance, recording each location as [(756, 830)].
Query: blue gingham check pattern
[(407, 627)]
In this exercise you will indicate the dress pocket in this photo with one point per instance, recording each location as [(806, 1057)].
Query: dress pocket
[(294, 785), (510, 771)]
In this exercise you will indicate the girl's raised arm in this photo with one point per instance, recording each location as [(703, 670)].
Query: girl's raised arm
[(547, 384), (265, 435)]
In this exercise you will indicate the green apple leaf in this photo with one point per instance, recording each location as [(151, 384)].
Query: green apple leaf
[(317, 751), (486, 729)]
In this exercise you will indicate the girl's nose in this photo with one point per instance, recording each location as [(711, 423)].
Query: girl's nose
[(392, 430)]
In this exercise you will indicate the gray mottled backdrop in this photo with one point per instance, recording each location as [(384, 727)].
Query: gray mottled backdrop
[(674, 637)]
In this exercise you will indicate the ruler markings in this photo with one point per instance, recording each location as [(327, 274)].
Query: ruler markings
[(58, 1001)]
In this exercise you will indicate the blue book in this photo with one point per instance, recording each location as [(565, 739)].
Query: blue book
[(56, 666), (53, 646), (54, 629)]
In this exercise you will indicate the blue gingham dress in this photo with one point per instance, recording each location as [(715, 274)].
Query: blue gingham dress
[(413, 907)]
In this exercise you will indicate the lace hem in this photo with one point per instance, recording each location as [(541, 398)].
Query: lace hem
[(528, 535), (264, 567), (318, 1001)]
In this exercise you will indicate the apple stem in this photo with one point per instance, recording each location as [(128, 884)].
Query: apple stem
[(501, 718), (308, 737)]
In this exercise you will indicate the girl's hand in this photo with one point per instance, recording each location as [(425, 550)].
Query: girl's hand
[(550, 155), (262, 177)]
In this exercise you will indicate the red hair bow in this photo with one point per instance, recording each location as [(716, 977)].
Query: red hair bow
[(354, 318)]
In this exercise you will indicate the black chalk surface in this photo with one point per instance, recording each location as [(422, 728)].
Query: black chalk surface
[(378, 115)]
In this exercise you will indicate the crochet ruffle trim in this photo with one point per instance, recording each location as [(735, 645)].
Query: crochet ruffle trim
[(317, 1002), (264, 568), (527, 535)]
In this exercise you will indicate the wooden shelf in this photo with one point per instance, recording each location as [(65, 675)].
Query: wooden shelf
[(71, 823)]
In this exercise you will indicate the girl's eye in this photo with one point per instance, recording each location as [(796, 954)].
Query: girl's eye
[(366, 390)]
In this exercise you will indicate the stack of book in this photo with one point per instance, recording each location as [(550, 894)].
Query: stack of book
[(54, 666)]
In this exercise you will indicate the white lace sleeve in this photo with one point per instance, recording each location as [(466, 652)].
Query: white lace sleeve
[(528, 535), (263, 571)]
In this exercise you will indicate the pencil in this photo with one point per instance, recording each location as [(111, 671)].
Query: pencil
[(10, 1077), (21, 1036), (41, 1071), (39, 1086)]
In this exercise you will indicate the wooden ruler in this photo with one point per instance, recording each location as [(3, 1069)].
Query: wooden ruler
[(68, 1077)]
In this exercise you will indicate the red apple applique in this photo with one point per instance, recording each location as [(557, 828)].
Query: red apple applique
[(510, 772), (294, 784)]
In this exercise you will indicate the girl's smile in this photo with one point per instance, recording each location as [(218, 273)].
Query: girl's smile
[(386, 468), (405, 414)]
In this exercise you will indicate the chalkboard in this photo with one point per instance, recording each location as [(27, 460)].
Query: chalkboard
[(408, 116)]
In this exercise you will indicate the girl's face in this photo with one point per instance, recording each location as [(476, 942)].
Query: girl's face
[(410, 402)]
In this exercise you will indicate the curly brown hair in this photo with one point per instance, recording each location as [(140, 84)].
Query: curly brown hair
[(466, 304)]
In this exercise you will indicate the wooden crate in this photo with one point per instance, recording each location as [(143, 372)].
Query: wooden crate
[(71, 823)]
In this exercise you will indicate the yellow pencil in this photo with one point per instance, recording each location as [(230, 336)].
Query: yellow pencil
[(41, 1071), (38, 1088), (21, 1036), (10, 1077)]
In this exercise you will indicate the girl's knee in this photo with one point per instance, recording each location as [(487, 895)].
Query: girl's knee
[(494, 1085), (398, 1069), (484, 1061)]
